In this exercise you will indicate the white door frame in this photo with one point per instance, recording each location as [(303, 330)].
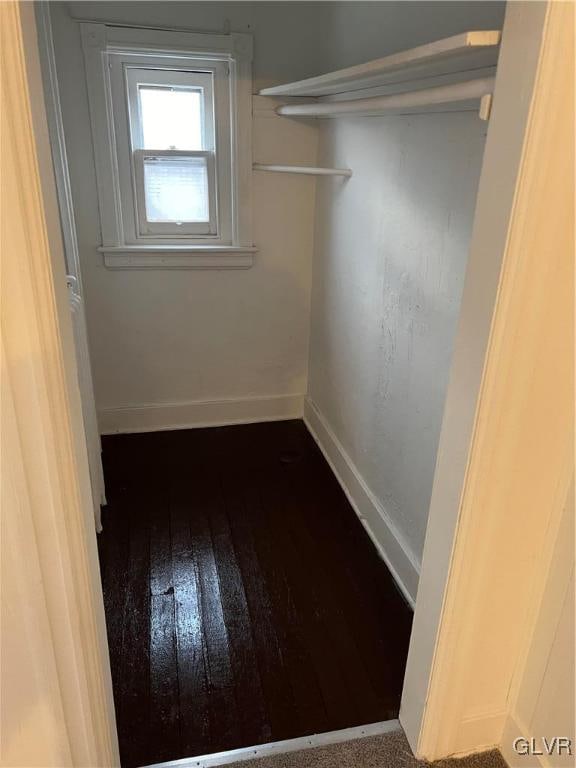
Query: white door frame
[(489, 488), (506, 448), (73, 268), (57, 682)]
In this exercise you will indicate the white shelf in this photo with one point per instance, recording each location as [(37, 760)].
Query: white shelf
[(306, 170), (465, 54), (465, 96)]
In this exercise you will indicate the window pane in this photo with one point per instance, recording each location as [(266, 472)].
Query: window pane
[(176, 189), (171, 118)]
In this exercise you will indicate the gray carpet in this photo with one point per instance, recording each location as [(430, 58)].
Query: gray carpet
[(389, 750)]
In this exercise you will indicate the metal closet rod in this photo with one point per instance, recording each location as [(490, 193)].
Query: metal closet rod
[(443, 94), (308, 170)]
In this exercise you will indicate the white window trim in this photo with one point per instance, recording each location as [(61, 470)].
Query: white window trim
[(235, 49)]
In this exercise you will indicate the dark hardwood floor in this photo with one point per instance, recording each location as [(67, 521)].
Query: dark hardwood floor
[(244, 601)]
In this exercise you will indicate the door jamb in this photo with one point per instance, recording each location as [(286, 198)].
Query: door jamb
[(39, 364), (506, 446), (68, 224)]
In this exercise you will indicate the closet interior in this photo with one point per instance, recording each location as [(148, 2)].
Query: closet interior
[(267, 309)]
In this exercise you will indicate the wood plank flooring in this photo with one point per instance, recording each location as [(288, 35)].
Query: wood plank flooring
[(244, 601)]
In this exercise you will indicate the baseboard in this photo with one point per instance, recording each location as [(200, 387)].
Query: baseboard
[(398, 556), (203, 413), (472, 735), (479, 733)]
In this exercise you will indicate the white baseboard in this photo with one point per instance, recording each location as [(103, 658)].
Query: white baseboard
[(398, 556), (479, 733), (203, 413)]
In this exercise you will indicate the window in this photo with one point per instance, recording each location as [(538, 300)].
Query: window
[(171, 116), (173, 151)]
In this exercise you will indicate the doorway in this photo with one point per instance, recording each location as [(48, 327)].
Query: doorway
[(168, 587), (336, 317)]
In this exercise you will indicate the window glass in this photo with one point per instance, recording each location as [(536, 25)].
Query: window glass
[(176, 189), (171, 117)]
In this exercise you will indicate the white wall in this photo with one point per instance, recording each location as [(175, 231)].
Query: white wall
[(391, 251), (359, 31), (288, 39), (171, 340), (164, 341), (294, 40), (390, 259)]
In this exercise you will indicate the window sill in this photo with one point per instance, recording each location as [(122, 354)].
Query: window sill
[(178, 256)]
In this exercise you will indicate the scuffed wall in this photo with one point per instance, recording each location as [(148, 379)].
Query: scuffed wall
[(390, 258)]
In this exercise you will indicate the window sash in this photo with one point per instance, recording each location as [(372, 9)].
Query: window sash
[(172, 229), (167, 77)]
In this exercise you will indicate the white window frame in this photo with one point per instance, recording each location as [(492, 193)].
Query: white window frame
[(123, 69), (111, 54), (203, 81)]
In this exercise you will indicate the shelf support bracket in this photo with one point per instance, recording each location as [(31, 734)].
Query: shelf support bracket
[(485, 106)]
